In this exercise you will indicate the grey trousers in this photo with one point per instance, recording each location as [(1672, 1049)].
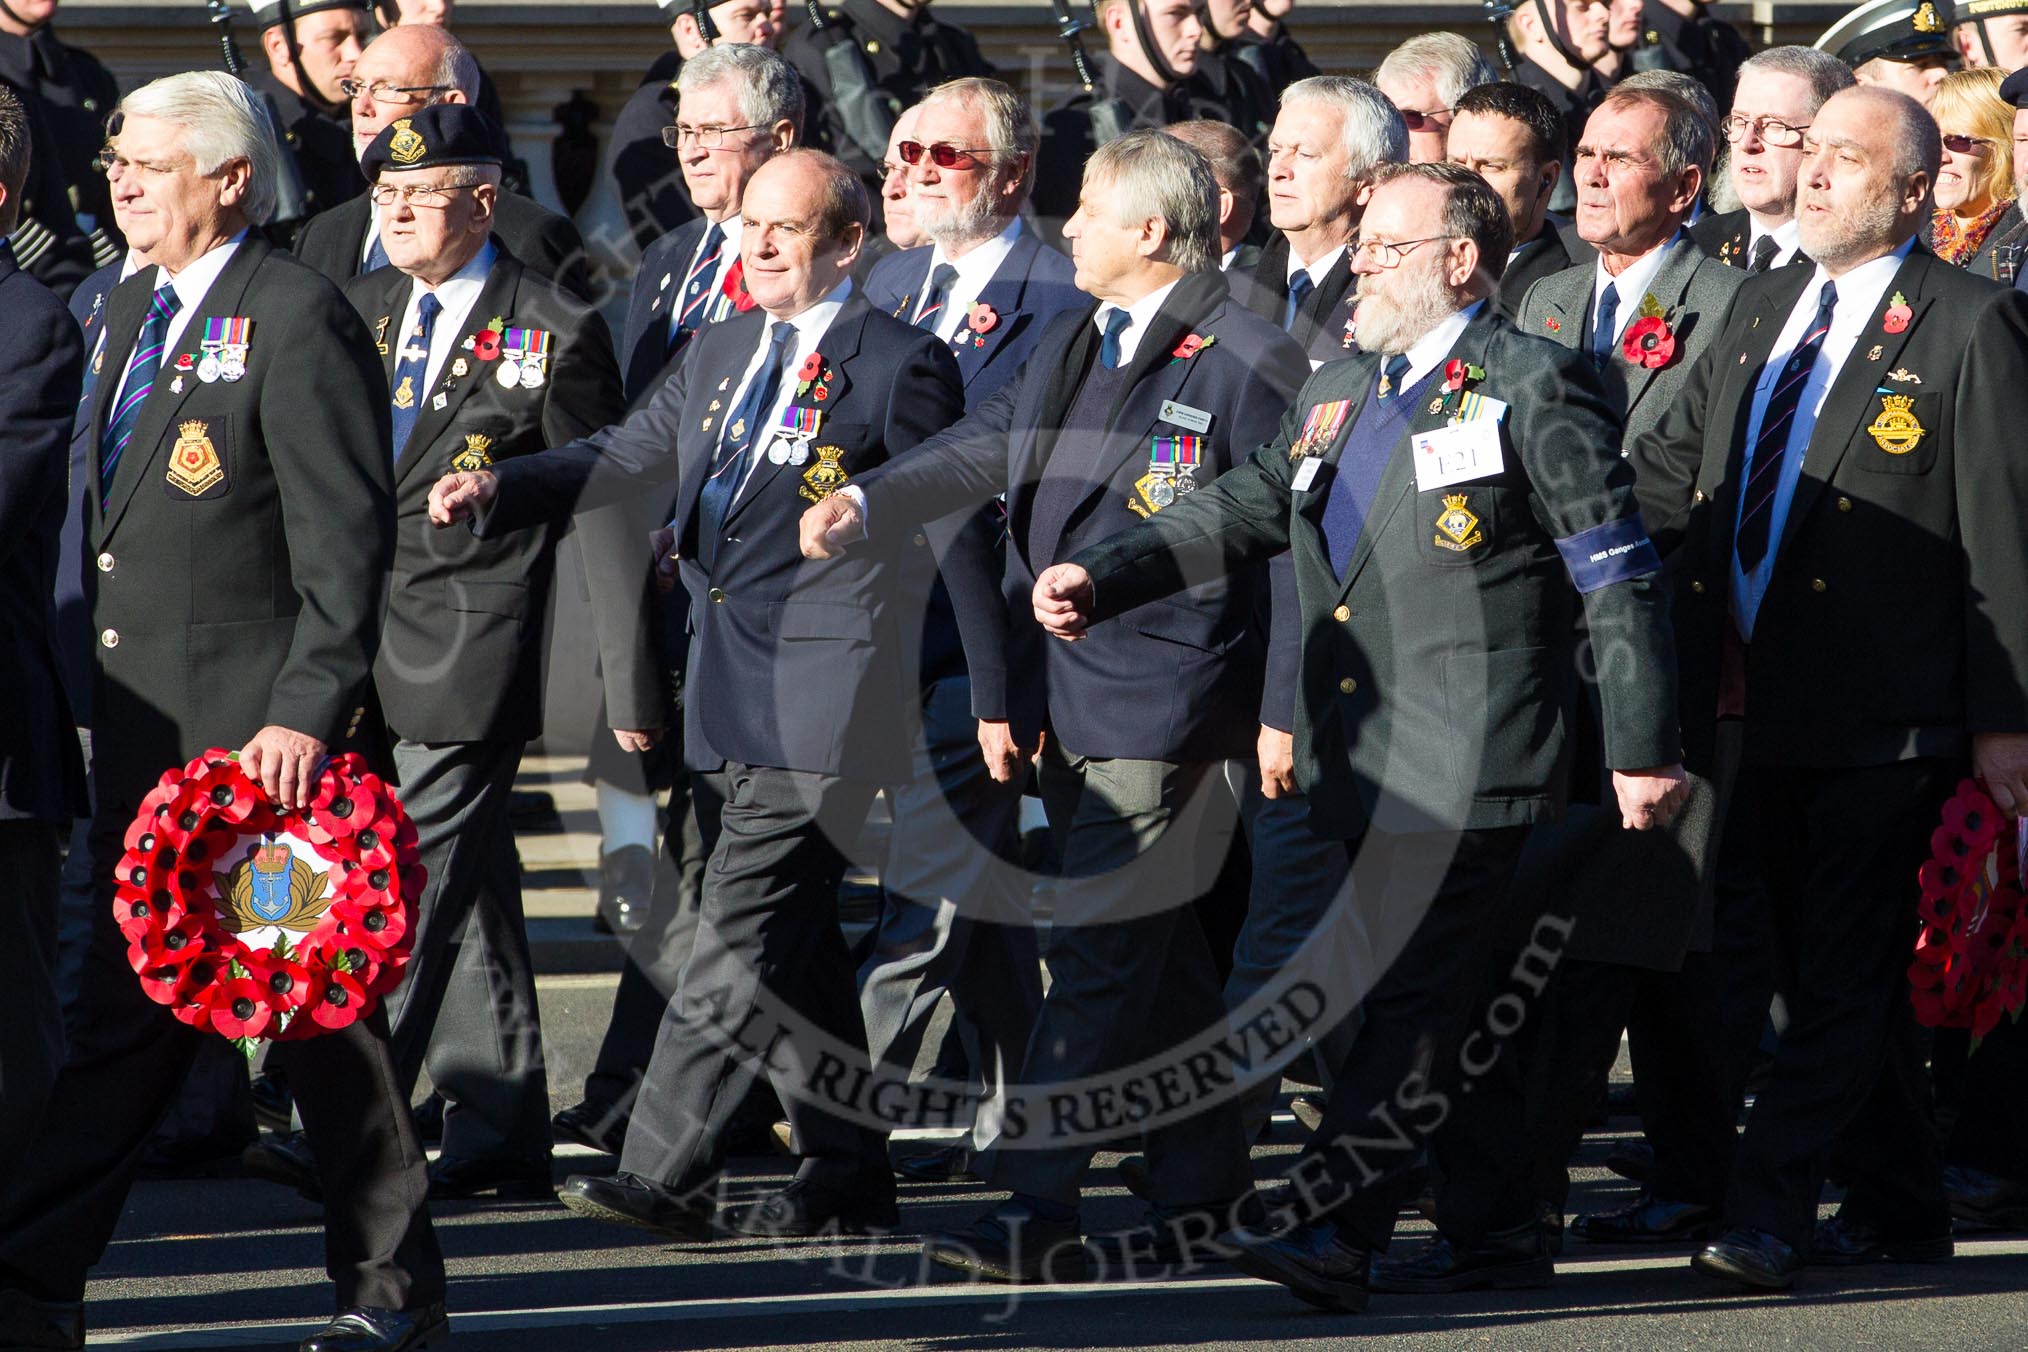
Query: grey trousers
[(1130, 972), (466, 1008), (954, 917)]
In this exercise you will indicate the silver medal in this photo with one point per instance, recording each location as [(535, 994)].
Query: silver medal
[(1162, 492), (778, 453), (232, 368), (531, 375), (207, 369), (509, 374), (799, 452)]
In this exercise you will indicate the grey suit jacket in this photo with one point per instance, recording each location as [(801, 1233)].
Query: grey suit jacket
[(1694, 291)]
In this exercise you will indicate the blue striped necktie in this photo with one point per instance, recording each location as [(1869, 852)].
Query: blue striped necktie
[(690, 311), (1777, 421), (141, 371)]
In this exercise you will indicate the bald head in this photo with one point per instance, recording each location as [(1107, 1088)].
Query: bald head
[(1869, 161), (418, 57)]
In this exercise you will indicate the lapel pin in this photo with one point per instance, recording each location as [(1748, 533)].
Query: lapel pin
[(1873, 354)]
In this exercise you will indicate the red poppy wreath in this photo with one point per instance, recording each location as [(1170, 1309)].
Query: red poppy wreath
[(255, 921), (1971, 958)]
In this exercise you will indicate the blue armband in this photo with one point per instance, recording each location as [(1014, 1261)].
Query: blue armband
[(1615, 552)]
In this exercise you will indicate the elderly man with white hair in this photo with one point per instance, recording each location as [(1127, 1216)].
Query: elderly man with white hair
[(1332, 134), (1424, 78), (238, 604)]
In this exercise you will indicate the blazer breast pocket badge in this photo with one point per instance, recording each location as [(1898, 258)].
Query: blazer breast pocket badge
[(825, 477), (1458, 525), (194, 464)]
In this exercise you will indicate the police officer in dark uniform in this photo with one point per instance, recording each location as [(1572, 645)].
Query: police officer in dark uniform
[(906, 54), (641, 167), (76, 93), (311, 45)]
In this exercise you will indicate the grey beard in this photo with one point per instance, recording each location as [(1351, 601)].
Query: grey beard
[(968, 224), (1391, 327)]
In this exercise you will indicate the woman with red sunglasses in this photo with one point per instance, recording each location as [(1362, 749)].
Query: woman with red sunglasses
[(1975, 204)]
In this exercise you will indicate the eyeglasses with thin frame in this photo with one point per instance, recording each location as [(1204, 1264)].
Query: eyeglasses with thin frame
[(111, 163), (942, 154), (1388, 254), (400, 96), (1773, 130), (706, 137), (1962, 145), (426, 196)]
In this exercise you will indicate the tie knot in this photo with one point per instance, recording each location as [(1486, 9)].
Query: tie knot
[(428, 307), (782, 335), (1827, 299), (167, 302), (1300, 283), (942, 277), (1763, 253), (1395, 369), (713, 237), (1117, 323)]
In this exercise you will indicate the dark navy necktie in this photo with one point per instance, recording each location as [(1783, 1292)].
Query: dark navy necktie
[(1300, 287), (696, 287), (1763, 254), (728, 469), (142, 368), (1117, 323), (939, 293), (1602, 331), (411, 368), (1771, 447)]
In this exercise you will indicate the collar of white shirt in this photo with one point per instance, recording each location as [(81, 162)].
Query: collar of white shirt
[(194, 282), (1859, 293), (457, 294), (1317, 268), (975, 272), (1786, 239), (1634, 280), (1425, 352), (1140, 314)]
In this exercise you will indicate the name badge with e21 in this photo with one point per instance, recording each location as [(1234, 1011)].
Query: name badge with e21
[(1457, 454)]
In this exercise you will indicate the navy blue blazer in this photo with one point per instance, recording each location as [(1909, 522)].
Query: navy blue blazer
[(1178, 679), (966, 627), (41, 364), (793, 664), (75, 638)]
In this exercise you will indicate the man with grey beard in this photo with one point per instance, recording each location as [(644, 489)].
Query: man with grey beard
[(1810, 481), (986, 285), (1454, 460)]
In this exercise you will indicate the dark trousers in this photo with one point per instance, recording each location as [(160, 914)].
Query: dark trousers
[(954, 915), (466, 1007), (1991, 1133), (128, 1059), (1433, 904), (1130, 972), (656, 954), (31, 1049), (1839, 850), (767, 983)]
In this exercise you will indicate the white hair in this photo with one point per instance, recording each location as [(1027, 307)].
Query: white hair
[(769, 88), (1452, 62), (1374, 132), (222, 121), (1151, 174)]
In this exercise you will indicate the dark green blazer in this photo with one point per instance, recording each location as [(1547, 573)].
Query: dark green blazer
[(1434, 678)]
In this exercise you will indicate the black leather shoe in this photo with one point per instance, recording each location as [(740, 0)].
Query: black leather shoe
[(26, 1322), (598, 1125), (1011, 1243), (285, 1160), (626, 883), (1309, 1110), (1846, 1241), (1323, 1265), (945, 1164), (626, 1200), (429, 1119), (1986, 1200), (809, 1206), (1633, 1161), (1750, 1257), (1552, 1229), (272, 1104), (508, 1180), (365, 1329), (1134, 1175), (1648, 1221), (1173, 1237), (1513, 1260), (193, 1156)]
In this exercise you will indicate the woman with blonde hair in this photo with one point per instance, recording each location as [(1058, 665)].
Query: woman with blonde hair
[(1975, 206)]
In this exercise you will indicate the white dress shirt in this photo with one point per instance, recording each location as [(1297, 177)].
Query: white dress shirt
[(457, 293), (975, 270), (810, 326), (1859, 295), (192, 285), (1632, 283), (727, 256), (1316, 268), (1140, 314)]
